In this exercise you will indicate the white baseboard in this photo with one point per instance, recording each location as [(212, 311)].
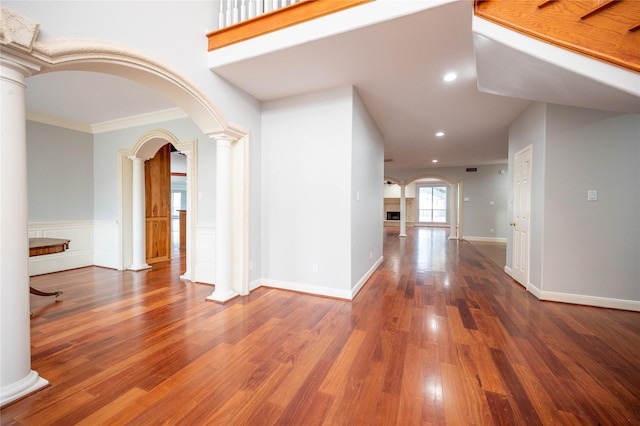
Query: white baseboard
[(485, 239), (303, 288), (366, 277), (581, 299), (316, 289)]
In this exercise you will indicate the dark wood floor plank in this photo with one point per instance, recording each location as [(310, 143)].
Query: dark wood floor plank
[(438, 335)]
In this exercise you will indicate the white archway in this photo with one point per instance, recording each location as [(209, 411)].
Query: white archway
[(122, 61), (455, 204), (22, 55), (145, 147)]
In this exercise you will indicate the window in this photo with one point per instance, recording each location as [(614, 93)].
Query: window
[(176, 203), (433, 203)]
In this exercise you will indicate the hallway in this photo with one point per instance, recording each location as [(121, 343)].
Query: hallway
[(439, 335)]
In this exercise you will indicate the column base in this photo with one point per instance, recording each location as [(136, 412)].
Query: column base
[(22, 388), (137, 268), (222, 296), (186, 277), (402, 235)]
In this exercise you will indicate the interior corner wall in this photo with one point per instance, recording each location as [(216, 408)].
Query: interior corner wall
[(529, 129), (367, 174), (592, 248), (306, 190), (60, 173)]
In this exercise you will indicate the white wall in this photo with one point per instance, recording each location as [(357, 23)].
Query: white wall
[(592, 247), (59, 173), (582, 252), (306, 177), (367, 170), (481, 187)]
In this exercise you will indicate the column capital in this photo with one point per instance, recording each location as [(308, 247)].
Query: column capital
[(134, 158), (16, 69)]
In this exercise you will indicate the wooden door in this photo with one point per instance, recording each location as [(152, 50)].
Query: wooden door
[(521, 219), (157, 187)]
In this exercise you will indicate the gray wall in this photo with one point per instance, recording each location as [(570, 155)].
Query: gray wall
[(481, 187), (580, 247), (60, 173), (592, 247), (367, 164), (107, 144)]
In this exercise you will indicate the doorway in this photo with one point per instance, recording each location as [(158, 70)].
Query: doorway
[(521, 217)]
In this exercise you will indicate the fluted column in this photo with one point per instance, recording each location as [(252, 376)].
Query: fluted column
[(16, 377), (223, 291), (403, 211), (138, 226)]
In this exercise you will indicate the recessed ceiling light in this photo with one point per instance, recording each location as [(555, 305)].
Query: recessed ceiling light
[(440, 134), (434, 161), (450, 76)]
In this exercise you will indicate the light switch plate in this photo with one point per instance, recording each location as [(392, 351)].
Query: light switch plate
[(592, 195)]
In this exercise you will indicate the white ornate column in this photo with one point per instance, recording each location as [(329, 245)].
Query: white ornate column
[(453, 211), (403, 211), (138, 226), (223, 291), (17, 379), (188, 273)]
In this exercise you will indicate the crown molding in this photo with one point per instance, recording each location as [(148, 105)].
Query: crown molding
[(108, 126), (139, 120), (58, 122)]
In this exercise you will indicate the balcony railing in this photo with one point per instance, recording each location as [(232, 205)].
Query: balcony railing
[(241, 20)]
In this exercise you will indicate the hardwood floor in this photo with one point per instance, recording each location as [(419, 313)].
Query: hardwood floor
[(439, 335)]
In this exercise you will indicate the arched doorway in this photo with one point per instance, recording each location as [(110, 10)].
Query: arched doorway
[(145, 147), (104, 57), (23, 55), (455, 206)]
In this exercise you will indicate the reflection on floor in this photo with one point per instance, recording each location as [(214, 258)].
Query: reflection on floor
[(496, 252)]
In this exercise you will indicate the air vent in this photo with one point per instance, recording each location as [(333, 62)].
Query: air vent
[(472, 169)]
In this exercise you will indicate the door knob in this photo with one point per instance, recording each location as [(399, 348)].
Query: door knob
[(512, 223)]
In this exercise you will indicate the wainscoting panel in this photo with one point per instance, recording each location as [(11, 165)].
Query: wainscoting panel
[(205, 269), (106, 245), (79, 254)]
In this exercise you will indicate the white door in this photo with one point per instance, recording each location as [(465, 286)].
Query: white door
[(521, 219)]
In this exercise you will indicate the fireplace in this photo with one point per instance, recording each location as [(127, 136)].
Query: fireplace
[(393, 215)]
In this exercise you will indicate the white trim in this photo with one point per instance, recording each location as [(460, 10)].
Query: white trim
[(314, 289), (356, 289), (580, 299), (485, 239), (508, 271), (318, 290), (58, 122), (139, 120), (79, 254), (22, 388)]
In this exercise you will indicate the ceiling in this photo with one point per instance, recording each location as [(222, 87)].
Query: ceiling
[(397, 67)]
